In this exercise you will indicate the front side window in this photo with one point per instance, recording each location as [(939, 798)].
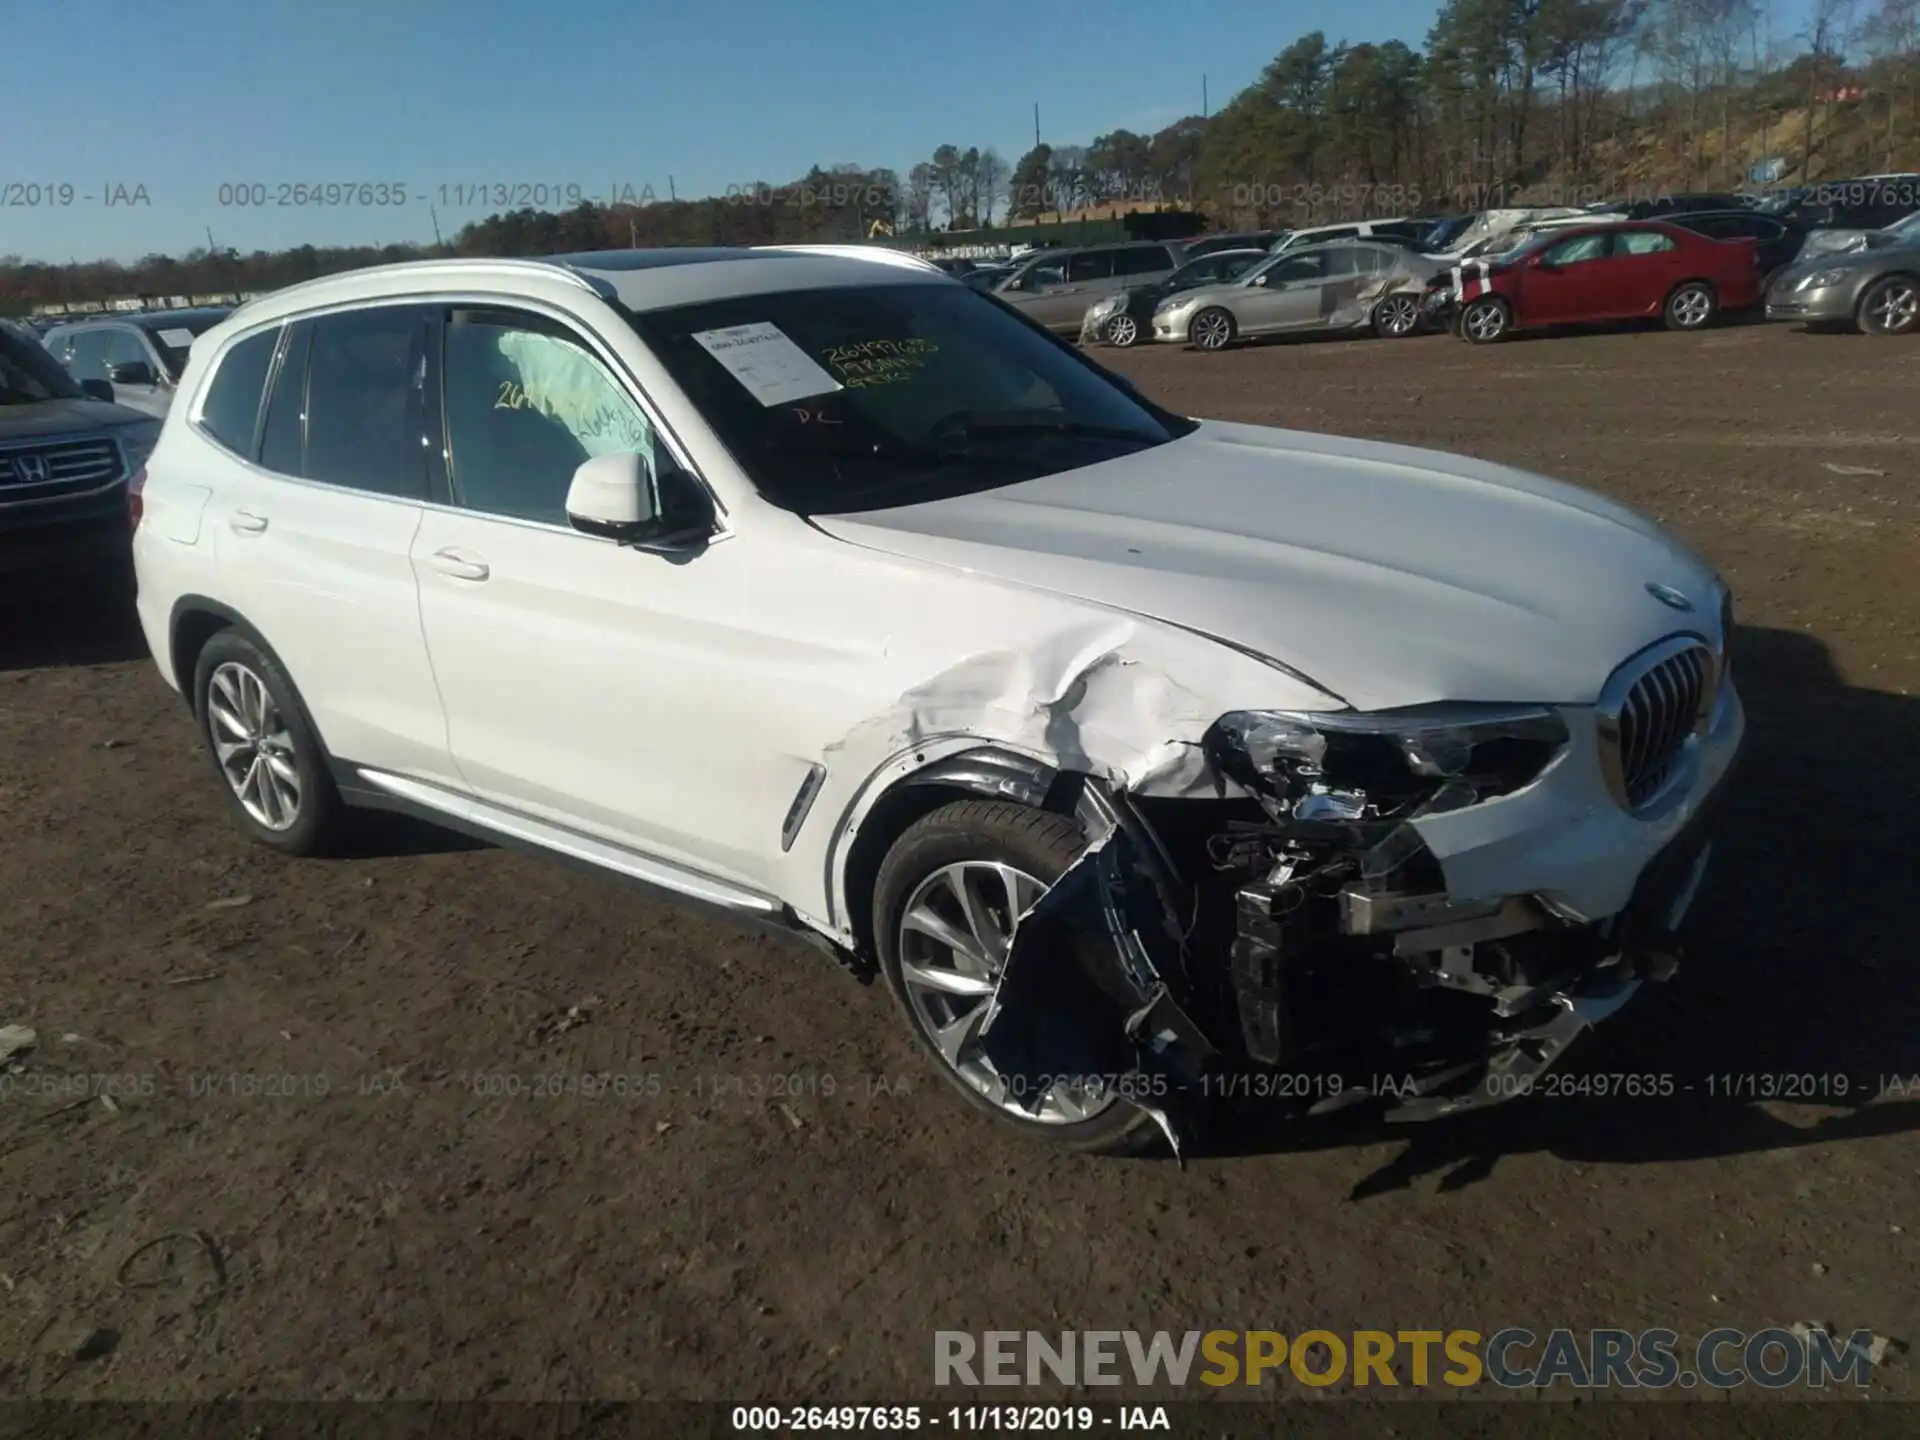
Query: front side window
[(29, 375), (124, 348), (526, 404), (1577, 250), (1301, 269), (231, 410), (1645, 242), (1041, 274), (87, 355), (863, 397), (366, 388)]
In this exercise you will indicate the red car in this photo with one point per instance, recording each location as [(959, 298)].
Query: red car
[(1599, 272)]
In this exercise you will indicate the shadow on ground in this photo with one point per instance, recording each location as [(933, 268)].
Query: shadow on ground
[(1796, 972)]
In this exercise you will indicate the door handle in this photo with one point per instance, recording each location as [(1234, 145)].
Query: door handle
[(245, 522), (460, 565)]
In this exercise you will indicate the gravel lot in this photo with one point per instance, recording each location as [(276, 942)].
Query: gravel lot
[(407, 1234)]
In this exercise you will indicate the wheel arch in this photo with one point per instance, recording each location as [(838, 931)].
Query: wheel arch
[(1908, 273), (933, 776), (192, 623)]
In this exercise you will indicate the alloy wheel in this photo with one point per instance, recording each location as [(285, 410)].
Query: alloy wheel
[(1892, 308), (1692, 307), (253, 745), (1485, 322), (1398, 315), (1211, 330), (956, 930), (1123, 330)]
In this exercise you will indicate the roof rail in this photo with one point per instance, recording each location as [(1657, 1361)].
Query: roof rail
[(881, 254), (551, 269)]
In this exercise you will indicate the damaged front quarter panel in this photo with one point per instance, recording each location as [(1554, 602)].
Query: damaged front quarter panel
[(1093, 984)]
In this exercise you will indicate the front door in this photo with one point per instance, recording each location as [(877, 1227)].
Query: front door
[(1561, 284), (587, 684), (1290, 298)]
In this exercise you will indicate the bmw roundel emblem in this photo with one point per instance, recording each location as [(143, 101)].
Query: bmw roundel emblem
[(1668, 596)]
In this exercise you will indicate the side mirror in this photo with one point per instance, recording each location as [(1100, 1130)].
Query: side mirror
[(97, 390), (619, 497), (134, 372)]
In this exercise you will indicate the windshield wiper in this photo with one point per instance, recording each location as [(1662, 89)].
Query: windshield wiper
[(986, 424)]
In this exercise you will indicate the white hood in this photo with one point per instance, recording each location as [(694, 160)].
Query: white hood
[(1387, 575)]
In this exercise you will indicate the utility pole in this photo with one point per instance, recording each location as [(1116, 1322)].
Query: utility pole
[(1203, 97), (434, 215), (1036, 124), (672, 194)]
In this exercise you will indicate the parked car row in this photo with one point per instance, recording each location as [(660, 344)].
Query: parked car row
[(1547, 269)]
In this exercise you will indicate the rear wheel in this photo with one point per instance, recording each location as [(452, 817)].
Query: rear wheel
[(1485, 321), (1891, 306), (1123, 330), (947, 903), (1211, 329), (1692, 306), (264, 748), (1396, 316)]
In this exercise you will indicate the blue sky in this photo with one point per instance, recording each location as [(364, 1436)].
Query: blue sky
[(183, 96)]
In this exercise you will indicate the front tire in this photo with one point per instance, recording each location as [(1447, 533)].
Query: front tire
[(1123, 330), (1692, 306), (946, 904), (1396, 317), (1212, 329), (1891, 306), (1485, 321), (264, 749)]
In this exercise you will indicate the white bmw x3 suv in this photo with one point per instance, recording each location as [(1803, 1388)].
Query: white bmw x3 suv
[(1148, 760)]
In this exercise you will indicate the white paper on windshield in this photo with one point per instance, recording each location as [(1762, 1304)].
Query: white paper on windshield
[(762, 358), (176, 339)]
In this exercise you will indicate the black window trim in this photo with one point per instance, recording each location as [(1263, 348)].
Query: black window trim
[(197, 416), (507, 311), (457, 299), (416, 343), (276, 368)]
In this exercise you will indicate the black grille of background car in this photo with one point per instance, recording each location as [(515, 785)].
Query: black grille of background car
[(73, 468), (1661, 708)]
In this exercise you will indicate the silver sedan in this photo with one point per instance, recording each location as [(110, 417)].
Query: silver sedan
[(1342, 285), (1875, 291)]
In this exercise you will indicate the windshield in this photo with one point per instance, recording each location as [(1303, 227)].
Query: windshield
[(860, 398), (173, 338), (28, 374), (1907, 229)]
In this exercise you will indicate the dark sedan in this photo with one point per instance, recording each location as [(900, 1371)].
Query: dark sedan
[(1777, 239), (1127, 318)]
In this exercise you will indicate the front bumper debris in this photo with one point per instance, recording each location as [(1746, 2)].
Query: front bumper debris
[(1193, 962)]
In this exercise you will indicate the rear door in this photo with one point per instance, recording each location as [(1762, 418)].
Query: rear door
[(1089, 277), (1642, 268), (313, 531)]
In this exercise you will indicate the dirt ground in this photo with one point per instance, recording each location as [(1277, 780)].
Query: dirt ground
[(329, 1174)]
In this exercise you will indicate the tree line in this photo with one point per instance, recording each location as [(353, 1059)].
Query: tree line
[(1554, 101)]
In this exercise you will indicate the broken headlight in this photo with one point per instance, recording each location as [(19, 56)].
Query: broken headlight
[(1357, 766)]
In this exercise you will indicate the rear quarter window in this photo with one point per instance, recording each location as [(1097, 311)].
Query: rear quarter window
[(230, 411)]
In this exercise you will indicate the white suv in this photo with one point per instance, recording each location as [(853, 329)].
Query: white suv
[(1140, 755)]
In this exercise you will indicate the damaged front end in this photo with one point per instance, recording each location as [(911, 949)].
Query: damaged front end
[(1296, 925)]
